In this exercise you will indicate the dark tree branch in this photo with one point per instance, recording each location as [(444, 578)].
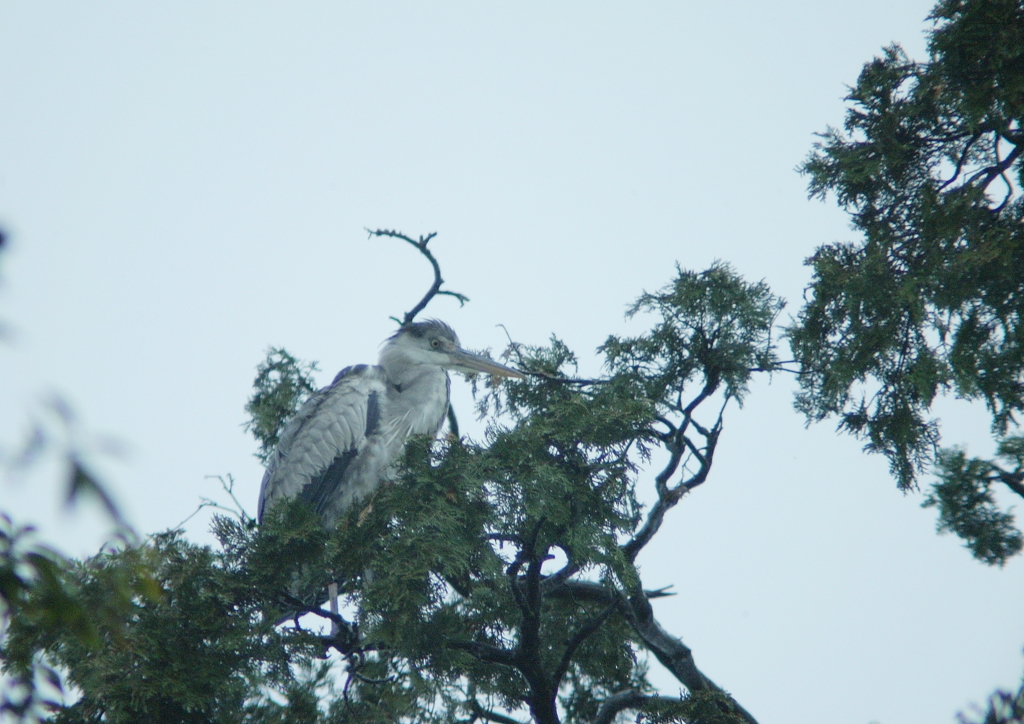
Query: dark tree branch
[(1003, 176), (777, 368), (346, 639), (1015, 139), (533, 575), (707, 457), (580, 636), (676, 449), (513, 570), (543, 689), (435, 288), (589, 591), (677, 444), (666, 499), (369, 680), (570, 569), (665, 436), (710, 386), (673, 654), (527, 593), (990, 173), (963, 158), (1014, 481), (695, 451), (565, 380), (505, 538), (628, 699), (529, 602), (480, 713), (486, 652)]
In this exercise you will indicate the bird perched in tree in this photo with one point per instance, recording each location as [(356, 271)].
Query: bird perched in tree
[(346, 437)]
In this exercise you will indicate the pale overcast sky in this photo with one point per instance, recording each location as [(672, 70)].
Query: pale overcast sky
[(187, 183)]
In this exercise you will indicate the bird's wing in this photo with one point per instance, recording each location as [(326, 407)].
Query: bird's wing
[(319, 444)]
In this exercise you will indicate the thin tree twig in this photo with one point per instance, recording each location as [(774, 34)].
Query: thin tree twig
[(514, 346), (229, 488)]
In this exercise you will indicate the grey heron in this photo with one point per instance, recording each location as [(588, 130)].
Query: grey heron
[(346, 437)]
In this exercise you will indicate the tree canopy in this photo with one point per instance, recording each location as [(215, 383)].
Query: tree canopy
[(930, 299), (495, 580)]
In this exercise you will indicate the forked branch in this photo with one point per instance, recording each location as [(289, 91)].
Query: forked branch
[(678, 443), (435, 288)]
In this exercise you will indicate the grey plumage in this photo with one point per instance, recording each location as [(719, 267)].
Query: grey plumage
[(345, 439)]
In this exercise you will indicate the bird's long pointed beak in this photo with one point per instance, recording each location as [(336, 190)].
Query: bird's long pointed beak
[(464, 361)]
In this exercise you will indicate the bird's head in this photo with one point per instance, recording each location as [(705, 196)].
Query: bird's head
[(435, 343)]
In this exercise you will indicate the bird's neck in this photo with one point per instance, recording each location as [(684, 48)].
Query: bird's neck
[(407, 376), (418, 397)]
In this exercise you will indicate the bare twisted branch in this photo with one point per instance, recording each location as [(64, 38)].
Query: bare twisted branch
[(435, 288)]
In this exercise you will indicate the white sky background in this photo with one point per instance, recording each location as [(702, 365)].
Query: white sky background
[(185, 184)]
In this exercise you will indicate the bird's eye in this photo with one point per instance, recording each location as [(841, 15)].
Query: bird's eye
[(436, 343)]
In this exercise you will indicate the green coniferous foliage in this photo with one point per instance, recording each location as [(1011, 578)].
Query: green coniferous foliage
[(496, 579), (197, 649), (964, 496), (493, 580), (282, 384), (930, 300)]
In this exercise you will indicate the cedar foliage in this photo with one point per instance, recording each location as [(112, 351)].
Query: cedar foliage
[(281, 385), (494, 580), (930, 300)]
